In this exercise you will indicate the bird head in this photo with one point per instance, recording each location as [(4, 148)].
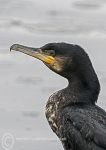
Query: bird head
[(61, 58)]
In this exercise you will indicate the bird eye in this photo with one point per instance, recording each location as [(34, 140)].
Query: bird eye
[(52, 52), (49, 52)]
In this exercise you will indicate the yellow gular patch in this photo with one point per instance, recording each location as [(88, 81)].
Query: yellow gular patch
[(49, 59)]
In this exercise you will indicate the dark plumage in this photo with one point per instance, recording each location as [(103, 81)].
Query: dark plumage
[(71, 112)]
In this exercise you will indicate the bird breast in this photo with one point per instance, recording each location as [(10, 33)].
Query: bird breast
[(52, 112)]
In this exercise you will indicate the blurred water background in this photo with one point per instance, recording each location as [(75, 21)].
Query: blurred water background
[(25, 83)]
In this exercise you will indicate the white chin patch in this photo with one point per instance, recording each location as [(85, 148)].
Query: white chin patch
[(57, 67)]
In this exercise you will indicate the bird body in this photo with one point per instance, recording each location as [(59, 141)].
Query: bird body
[(72, 112), (83, 124)]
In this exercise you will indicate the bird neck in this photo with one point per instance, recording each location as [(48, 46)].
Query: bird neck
[(83, 88)]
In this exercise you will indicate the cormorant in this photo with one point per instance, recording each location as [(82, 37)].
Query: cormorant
[(71, 112)]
